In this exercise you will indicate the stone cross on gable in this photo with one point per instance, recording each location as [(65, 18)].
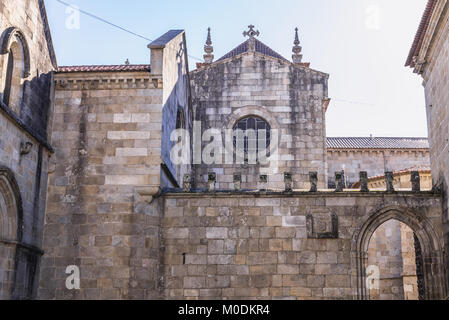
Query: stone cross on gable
[(251, 32)]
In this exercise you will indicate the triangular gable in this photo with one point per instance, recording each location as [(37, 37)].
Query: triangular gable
[(260, 48)]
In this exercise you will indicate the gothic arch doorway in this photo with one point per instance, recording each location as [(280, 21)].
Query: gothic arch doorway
[(432, 256), (11, 223)]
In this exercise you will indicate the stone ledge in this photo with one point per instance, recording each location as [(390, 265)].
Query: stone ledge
[(270, 194)]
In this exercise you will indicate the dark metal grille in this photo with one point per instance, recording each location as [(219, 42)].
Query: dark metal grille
[(251, 142)]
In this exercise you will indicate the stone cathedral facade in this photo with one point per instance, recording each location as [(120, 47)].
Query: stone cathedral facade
[(88, 179)]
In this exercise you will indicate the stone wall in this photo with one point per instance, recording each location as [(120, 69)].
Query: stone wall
[(375, 162), (107, 137), (435, 57), (437, 97), (25, 165), (244, 246), (288, 97)]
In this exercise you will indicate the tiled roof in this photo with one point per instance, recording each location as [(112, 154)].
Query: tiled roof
[(377, 143), (260, 47), (106, 68), (417, 43)]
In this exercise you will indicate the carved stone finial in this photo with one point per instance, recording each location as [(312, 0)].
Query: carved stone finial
[(208, 49), (313, 177), (212, 180), (416, 181), (263, 181), (389, 179), (339, 181), (288, 180), (297, 56), (187, 183), (251, 33), (237, 182), (364, 181)]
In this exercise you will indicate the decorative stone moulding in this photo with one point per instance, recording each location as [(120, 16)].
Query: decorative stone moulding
[(25, 148), (109, 84), (312, 234)]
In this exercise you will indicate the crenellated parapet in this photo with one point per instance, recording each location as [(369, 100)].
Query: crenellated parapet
[(362, 185)]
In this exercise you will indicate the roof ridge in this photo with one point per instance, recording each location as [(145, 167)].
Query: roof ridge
[(243, 48), (377, 143)]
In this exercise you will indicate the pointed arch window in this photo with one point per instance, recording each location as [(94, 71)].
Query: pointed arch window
[(16, 66)]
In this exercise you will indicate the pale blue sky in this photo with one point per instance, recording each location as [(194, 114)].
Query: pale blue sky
[(362, 44)]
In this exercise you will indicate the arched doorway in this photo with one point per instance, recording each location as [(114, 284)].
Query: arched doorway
[(432, 256), (394, 264), (10, 230)]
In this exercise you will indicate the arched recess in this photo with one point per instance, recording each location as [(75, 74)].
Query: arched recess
[(17, 66), (11, 212), (432, 253)]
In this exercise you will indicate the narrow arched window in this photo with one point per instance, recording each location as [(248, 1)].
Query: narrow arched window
[(253, 134), (16, 65), (8, 78)]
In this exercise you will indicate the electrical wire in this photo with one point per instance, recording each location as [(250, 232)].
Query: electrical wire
[(112, 24)]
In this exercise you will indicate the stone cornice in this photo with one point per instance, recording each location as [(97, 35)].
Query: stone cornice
[(179, 193), (285, 62), (107, 81)]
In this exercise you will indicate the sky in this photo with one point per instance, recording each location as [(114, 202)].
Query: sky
[(362, 44)]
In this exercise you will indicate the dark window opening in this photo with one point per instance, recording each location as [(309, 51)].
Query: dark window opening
[(180, 119), (8, 79), (255, 130)]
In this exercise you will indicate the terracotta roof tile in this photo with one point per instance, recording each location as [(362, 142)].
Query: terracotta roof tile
[(105, 68), (377, 143)]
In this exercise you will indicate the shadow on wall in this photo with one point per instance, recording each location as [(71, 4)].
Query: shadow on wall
[(36, 102), (177, 107)]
